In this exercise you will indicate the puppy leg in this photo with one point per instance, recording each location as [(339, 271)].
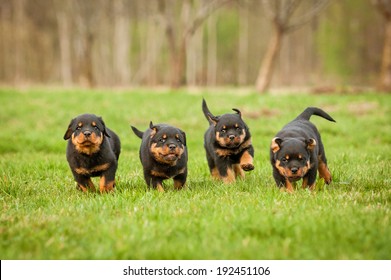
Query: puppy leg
[(246, 160), (323, 170), (84, 183), (309, 179), (107, 180), (180, 180), (238, 171), (157, 183), (215, 173), (281, 181), (227, 174)]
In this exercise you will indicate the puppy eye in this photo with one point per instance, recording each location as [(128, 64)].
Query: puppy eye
[(179, 140), (223, 131), (162, 140), (95, 127), (238, 129), (78, 128), (284, 160)]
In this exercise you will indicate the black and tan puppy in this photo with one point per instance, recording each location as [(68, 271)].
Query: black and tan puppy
[(228, 145), (163, 155), (93, 150), (297, 152)]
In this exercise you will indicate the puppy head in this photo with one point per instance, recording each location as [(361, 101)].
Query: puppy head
[(167, 143), (292, 156), (230, 129), (87, 132)]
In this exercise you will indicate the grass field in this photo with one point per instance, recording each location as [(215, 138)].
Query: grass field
[(43, 216)]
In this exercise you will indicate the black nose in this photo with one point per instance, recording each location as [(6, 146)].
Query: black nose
[(87, 133), (231, 137), (172, 147), (294, 170)]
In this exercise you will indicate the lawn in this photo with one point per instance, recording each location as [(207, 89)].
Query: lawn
[(43, 216)]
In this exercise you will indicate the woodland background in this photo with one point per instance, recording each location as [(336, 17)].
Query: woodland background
[(126, 43)]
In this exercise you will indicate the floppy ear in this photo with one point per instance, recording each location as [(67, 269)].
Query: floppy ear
[(276, 144), (184, 137), (104, 126), (69, 131), (154, 129), (311, 143), (237, 111), (213, 119)]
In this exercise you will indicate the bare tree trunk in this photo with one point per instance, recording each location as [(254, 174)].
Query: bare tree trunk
[(269, 60), (211, 77), (243, 45), (65, 47), (385, 74), (121, 43), (19, 54)]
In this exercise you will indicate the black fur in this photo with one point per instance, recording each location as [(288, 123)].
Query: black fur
[(297, 151), (228, 146), (163, 155), (93, 150)]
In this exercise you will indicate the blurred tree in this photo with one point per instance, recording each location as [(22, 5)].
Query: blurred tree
[(178, 33), (281, 13), (384, 7)]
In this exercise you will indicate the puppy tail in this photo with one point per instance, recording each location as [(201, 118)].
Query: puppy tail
[(206, 111), (308, 112), (137, 132)]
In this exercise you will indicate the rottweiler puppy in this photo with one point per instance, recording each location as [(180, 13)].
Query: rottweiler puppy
[(93, 150), (297, 152), (228, 146), (163, 155)]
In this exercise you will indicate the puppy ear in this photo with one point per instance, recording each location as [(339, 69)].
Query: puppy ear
[(276, 144), (213, 119), (69, 131), (311, 143), (184, 137), (104, 126), (154, 129), (237, 112)]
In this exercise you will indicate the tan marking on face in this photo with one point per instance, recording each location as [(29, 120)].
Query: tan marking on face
[(163, 154), (98, 168), (300, 156), (287, 173), (93, 123), (287, 157), (80, 124), (229, 152), (88, 146)]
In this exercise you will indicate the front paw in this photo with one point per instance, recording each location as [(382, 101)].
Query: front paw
[(247, 167)]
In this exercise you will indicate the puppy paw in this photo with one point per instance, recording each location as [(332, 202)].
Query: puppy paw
[(247, 167)]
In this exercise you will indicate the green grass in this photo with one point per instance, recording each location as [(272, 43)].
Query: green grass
[(43, 216)]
